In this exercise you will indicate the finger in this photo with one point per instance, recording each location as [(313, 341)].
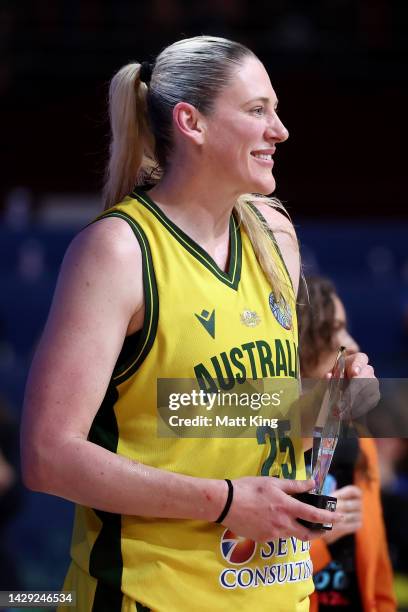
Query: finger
[(367, 372), (354, 505), (291, 487), (355, 363), (351, 528), (309, 513), (354, 518), (348, 492), (300, 532), (346, 506)]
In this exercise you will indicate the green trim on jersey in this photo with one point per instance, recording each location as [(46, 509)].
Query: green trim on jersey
[(145, 338), (141, 608), (230, 278), (272, 236)]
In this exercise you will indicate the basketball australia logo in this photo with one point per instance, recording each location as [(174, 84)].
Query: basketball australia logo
[(236, 549), (281, 311), (250, 318)]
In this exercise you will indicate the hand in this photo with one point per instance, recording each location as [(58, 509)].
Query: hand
[(362, 393), (263, 509), (357, 366), (349, 504)]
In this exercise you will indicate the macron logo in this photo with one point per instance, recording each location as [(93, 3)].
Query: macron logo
[(207, 320)]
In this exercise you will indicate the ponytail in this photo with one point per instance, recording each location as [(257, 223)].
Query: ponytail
[(132, 144)]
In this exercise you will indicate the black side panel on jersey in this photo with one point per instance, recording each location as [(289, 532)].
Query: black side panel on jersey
[(105, 561)]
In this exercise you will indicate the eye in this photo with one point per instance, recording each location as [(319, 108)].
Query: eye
[(258, 110)]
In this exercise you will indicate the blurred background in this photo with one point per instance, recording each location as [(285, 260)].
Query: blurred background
[(339, 68)]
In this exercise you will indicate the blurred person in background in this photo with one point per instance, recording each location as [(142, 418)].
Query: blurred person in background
[(166, 523), (352, 570)]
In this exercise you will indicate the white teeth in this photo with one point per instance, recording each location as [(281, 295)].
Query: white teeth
[(267, 156)]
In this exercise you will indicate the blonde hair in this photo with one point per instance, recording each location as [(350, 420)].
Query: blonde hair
[(194, 70)]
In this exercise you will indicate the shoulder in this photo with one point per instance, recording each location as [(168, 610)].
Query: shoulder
[(285, 236), (277, 219), (105, 247), (105, 258), (111, 239)]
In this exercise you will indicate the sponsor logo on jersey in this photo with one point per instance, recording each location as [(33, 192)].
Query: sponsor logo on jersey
[(207, 320), (236, 549), (280, 561), (281, 311), (250, 318)]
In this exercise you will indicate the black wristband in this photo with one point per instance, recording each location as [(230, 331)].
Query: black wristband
[(227, 503)]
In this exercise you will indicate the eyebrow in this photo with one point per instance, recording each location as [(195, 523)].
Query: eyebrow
[(263, 99)]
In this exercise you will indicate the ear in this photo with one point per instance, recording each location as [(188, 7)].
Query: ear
[(189, 121)]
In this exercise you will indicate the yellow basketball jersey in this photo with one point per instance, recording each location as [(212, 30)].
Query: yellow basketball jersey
[(206, 324)]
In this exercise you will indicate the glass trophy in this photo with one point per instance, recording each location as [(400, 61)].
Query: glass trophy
[(325, 436)]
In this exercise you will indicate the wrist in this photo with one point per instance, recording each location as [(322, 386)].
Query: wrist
[(228, 502), (214, 494)]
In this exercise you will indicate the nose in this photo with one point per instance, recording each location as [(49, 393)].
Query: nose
[(276, 131)]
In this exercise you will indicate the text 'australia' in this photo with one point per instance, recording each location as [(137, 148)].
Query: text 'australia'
[(253, 360)]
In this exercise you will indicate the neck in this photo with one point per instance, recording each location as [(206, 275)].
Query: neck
[(188, 198)]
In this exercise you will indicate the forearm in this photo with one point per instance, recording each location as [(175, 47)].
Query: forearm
[(90, 475)]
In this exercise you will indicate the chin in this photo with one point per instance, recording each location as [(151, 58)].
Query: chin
[(264, 187)]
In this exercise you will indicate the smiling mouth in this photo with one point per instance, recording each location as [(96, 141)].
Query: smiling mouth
[(265, 156)]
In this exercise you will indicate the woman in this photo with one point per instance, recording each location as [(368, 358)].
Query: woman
[(161, 287), (351, 563)]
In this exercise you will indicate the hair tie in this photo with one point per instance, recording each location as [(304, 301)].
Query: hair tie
[(145, 74)]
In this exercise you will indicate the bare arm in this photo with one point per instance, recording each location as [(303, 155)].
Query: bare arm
[(99, 298)]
